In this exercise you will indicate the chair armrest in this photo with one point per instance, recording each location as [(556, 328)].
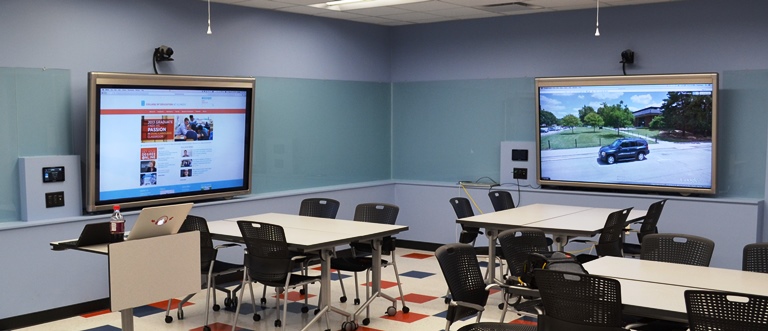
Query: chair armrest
[(298, 257), (468, 305), (225, 246), (517, 290)]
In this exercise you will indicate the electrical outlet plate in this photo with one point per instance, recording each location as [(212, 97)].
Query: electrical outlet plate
[(520, 173)]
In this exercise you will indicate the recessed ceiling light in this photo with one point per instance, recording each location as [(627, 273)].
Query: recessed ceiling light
[(342, 5)]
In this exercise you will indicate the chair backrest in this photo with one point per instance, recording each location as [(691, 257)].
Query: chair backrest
[(651, 220), (319, 207), (207, 253), (501, 200), (677, 248), (611, 240), (376, 213), (578, 302), (463, 209), (382, 213), (518, 243), (710, 310), (268, 259), (755, 258), (461, 270)]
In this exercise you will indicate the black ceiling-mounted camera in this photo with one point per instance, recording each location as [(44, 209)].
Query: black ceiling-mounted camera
[(162, 53), (627, 57)]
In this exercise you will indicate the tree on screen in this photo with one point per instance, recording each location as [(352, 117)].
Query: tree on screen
[(617, 116), (571, 120), (688, 113), (547, 118), (584, 112), (594, 120)]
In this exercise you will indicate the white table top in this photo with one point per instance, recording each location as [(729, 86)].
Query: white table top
[(582, 223), (707, 278), (308, 233), (520, 216), (653, 300), (559, 219)]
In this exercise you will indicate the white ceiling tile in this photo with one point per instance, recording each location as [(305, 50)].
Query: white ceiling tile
[(433, 10)]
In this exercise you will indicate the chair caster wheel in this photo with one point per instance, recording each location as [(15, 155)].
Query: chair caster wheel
[(343, 299), (406, 310), (168, 319), (348, 326), (227, 302), (447, 300), (206, 328), (317, 311), (391, 311), (256, 317), (304, 309), (180, 314), (357, 301), (302, 292), (501, 306), (366, 321), (278, 323), (263, 301), (216, 307)]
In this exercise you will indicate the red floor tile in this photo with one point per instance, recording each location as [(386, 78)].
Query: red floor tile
[(295, 296), (419, 256), (164, 304), (384, 284), (418, 298), (405, 318)]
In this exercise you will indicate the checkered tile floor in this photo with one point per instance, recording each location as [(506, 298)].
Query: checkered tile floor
[(423, 288)]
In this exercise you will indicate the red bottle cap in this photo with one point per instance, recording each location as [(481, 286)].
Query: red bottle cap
[(116, 207)]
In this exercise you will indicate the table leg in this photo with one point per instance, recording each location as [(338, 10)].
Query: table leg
[(126, 319), (376, 286), (325, 288), (491, 274)]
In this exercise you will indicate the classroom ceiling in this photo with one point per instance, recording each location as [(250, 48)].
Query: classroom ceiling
[(430, 11)]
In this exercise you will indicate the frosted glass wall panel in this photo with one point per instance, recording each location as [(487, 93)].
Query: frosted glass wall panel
[(451, 130), (36, 120), (311, 133), (743, 122)]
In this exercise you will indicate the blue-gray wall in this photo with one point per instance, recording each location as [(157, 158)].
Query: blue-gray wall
[(424, 63)]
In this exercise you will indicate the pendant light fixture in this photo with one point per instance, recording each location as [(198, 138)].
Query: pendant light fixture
[(597, 20), (209, 17)]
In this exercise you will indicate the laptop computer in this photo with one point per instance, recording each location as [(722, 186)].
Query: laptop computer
[(92, 234), (159, 221)]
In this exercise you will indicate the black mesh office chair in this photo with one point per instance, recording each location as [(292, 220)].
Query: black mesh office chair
[(210, 267), (610, 242), (361, 261), (461, 270), (726, 311), (468, 235), (648, 226), (269, 262), (755, 258), (517, 244), (579, 302), (319, 207), (490, 326), (677, 248), (316, 207), (501, 200)]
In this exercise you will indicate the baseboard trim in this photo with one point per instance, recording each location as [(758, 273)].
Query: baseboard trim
[(54, 314)]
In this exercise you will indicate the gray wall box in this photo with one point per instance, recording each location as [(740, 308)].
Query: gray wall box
[(507, 164), (33, 190)]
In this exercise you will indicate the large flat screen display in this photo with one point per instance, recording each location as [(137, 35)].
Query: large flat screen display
[(157, 139), (646, 132)]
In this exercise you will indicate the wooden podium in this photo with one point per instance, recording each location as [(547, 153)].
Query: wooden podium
[(150, 270)]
